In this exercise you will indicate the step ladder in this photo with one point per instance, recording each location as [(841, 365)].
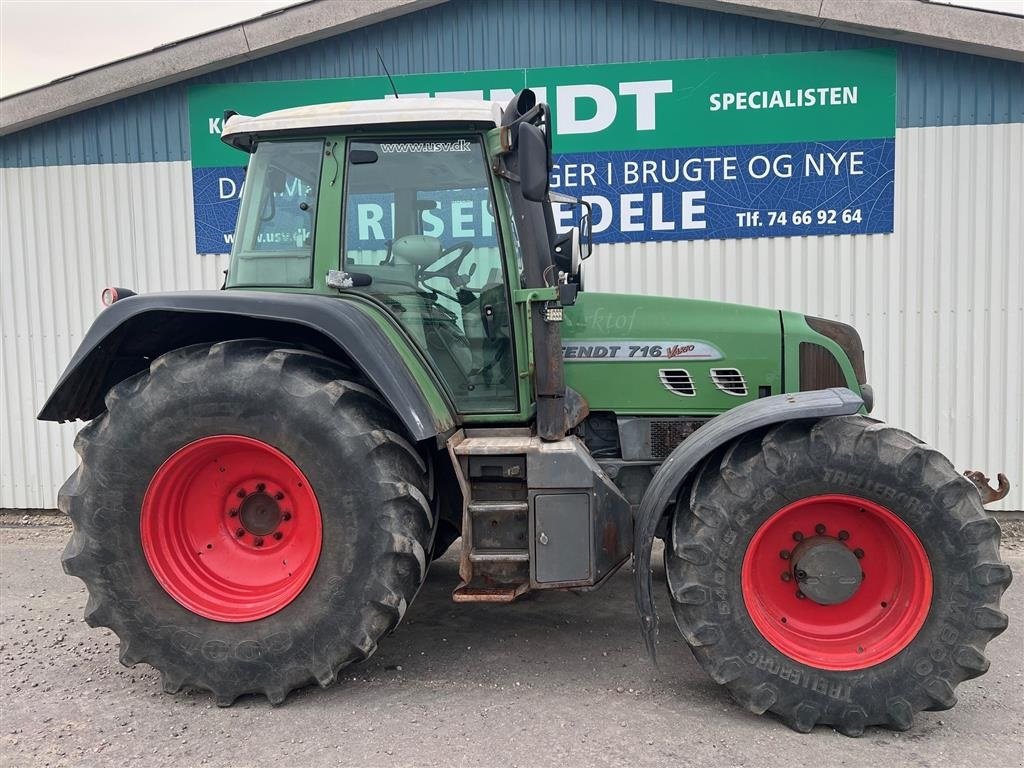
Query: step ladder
[(495, 565)]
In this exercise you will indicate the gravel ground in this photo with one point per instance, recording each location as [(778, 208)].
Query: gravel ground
[(556, 679)]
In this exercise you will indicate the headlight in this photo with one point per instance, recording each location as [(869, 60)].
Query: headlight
[(847, 338)]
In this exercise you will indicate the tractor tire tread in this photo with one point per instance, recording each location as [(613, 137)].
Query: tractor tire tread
[(745, 474), (406, 519)]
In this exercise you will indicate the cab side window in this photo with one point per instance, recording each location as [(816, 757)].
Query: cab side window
[(419, 221)]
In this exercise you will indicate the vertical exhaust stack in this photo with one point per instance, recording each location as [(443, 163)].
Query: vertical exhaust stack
[(536, 230)]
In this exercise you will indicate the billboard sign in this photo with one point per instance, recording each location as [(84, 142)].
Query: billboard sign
[(755, 146)]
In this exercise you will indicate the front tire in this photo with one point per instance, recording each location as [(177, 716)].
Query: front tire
[(838, 573), (247, 519)]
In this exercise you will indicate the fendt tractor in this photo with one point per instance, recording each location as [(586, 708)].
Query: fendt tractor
[(270, 468)]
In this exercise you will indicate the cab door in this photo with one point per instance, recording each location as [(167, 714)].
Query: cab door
[(419, 224)]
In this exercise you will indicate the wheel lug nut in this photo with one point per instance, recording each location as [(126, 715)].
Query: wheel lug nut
[(279, 495), (241, 493), (787, 576), (261, 487), (858, 553), (240, 532), (797, 536), (844, 535), (819, 529), (286, 516), (800, 595), (277, 535), (233, 513), (258, 541), (785, 554)]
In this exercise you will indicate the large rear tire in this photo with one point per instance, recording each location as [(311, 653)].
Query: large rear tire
[(838, 573), (247, 519)]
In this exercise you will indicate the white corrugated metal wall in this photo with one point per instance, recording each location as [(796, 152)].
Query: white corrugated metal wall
[(940, 303), (87, 227)]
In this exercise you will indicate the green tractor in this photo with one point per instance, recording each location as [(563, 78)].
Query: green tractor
[(402, 354)]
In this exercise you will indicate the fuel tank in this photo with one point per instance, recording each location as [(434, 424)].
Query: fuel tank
[(653, 355)]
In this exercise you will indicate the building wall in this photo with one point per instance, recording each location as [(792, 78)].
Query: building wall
[(104, 198)]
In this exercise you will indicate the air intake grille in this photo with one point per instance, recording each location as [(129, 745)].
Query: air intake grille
[(730, 381), (677, 381), (666, 434)]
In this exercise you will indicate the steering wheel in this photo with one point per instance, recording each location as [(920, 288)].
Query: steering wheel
[(450, 271)]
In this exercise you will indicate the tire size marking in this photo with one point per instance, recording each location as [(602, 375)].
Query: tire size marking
[(947, 638), (218, 650)]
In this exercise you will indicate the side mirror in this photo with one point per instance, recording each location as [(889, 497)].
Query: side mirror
[(586, 234), (533, 163)]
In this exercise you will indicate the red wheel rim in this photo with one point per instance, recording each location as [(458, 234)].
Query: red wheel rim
[(231, 528), (880, 618)]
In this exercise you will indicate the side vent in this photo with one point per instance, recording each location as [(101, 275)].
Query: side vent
[(677, 381), (730, 381)]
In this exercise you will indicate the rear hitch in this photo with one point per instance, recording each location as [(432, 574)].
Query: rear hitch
[(989, 495)]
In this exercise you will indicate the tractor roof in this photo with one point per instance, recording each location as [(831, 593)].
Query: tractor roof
[(239, 130)]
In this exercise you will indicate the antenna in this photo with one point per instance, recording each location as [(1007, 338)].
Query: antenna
[(381, 60)]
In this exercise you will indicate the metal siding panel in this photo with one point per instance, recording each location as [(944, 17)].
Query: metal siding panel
[(52, 271), (939, 303), (935, 87)]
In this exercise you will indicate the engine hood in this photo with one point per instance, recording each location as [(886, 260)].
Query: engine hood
[(653, 355)]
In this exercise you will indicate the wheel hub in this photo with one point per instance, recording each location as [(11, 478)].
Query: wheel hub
[(259, 514), (826, 570)]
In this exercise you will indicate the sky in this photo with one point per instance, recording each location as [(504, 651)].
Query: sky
[(42, 40)]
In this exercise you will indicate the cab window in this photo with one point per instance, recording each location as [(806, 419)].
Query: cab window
[(273, 242), (419, 222)]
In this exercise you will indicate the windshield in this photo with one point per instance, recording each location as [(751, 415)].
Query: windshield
[(273, 242), (419, 221)]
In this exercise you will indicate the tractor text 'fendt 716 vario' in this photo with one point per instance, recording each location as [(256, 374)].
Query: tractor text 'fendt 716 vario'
[(270, 468)]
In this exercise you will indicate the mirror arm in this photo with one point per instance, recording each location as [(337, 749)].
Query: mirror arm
[(509, 138)]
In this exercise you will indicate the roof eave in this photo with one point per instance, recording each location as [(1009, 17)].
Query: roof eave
[(265, 35), (951, 28)]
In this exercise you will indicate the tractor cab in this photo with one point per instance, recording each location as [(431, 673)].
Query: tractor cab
[(407, 202)]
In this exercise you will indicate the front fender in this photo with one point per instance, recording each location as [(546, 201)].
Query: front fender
[(133, 331), (685, 458)]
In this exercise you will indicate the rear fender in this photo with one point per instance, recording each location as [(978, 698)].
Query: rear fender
[(132, 332), (691, 452)]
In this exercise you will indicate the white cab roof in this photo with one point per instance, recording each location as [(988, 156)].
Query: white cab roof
[(377, 112)]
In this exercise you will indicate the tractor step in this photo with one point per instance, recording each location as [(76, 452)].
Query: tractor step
[(498, 507), (537, 515), (499, 556), (502, 594)]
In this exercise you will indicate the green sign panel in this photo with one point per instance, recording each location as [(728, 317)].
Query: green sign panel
[(765, 137)]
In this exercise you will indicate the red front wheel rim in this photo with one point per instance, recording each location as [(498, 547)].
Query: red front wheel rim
[(887, 607), (231, 528)]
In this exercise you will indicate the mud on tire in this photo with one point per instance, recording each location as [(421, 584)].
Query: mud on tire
[(739, 489), (371, 484)]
